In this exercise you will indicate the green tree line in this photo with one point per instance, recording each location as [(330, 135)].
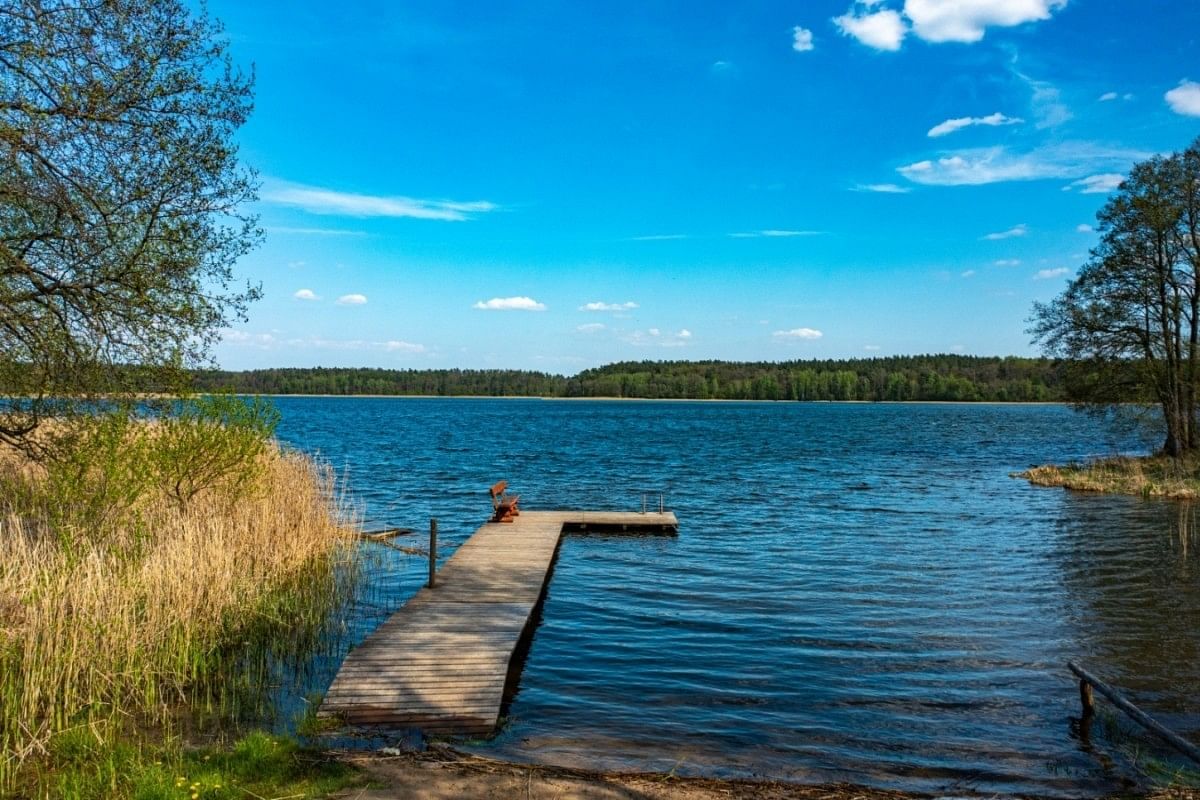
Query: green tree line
[(901, 378)]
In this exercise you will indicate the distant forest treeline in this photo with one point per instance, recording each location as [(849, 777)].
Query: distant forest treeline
[(933, 377)]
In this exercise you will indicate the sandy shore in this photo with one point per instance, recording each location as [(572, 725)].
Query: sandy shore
[(445, 774)]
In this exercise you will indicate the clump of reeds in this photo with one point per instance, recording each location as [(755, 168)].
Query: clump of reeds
[(1147, 476), (138, 557)]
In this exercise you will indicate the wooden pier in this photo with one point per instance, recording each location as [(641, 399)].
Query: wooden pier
[(443, 661)]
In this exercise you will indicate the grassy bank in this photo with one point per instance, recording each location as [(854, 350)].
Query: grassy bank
[(1145, 476), (147, 570)]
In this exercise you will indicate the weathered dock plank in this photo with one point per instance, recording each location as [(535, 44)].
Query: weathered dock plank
[(442, 662)]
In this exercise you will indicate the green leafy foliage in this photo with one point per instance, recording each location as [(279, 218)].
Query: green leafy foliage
[(927, 378), (121, 200)]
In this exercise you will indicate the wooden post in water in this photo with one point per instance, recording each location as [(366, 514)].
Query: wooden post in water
[(432, 552), (1136, 714)]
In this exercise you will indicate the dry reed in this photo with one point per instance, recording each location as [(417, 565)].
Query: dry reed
[(100, 625)]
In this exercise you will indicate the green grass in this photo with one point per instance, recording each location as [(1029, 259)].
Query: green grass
[(84, 764)]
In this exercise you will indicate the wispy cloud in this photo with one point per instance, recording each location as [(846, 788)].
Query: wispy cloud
[(661, 237), (656, 338), (271, 341), (802, 39), (798, 333), (591, 327), (771, 233), (957, 124), (306, 294), (1185, 98), (352, 300), (318, 200), (967, 273), (978, 166), (259, 341), (882, 188), (510, 304), (616, 307), (1050, 274), (395, 345), (1083, 227), (871, 347), (1097, 184), (1007, 262), (1011, 233), (283, 229), (1108, 97)]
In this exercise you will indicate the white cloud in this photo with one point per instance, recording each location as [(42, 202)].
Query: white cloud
[(772, 233), (978, 166), (1013, 232), (1097, 184), (329, 201), (938, 20), (952, 125), (802, 39), (799, 333), (967, 273), (882, 30), (654, 332), (591, 327), (1083, 227), (882, 188), (306, 294), (1107, 96), (510, 304), (684, 334), (352, 300), (397, 346), (968, 20), (665, 237), (1048, 274), (615, 307), (296, 264), (871, 347), (1185, 98), (1006, 262)]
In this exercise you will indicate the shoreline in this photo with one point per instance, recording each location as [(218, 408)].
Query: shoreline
[(550, 398), (443, 773)]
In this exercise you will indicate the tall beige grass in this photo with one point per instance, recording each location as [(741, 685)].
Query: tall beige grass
[(125, 623)]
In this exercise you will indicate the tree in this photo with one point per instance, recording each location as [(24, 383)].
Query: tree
[(1128, 325), (121, 200)]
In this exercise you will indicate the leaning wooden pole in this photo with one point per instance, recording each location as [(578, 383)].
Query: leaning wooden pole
[(1141, 717)]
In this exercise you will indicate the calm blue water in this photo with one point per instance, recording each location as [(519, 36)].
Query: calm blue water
[(857, 592)]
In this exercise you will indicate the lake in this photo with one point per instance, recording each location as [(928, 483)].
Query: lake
[(857, 592)]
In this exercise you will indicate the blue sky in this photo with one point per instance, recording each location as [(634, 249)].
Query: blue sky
[(555, 186)]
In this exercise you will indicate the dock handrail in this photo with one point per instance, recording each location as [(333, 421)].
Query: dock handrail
[(1087, 681), (649, 494)]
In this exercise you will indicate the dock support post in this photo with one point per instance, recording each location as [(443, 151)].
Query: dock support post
[(432, 552)]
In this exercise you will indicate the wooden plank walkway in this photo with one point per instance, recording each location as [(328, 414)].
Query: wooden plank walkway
[(441, 662)]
